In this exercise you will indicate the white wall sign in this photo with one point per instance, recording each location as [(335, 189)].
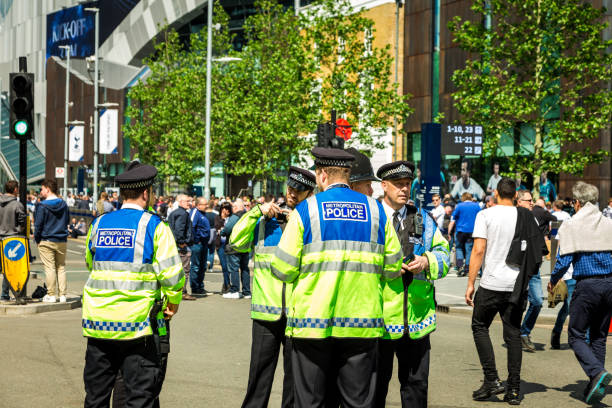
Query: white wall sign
[(109, 131), (59, 172), (76, 141)]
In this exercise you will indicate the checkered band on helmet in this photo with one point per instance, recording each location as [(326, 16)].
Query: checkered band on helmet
[(137, 184), (399, 169), (301, 179), (332, 163)]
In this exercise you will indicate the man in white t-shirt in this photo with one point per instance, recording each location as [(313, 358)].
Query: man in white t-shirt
[(493, 232), (438, 210), (558, 212)]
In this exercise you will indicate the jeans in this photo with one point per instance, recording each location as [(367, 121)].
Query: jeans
[(198, 267), (223, 262), (210, 256), (5, 288), (487, 304), (464, 248), (234, 263), (590, 309), (564, 311), (535, 304)]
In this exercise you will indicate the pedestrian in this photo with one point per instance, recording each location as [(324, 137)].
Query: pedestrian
[(607, 212), (237, 262), (181, 228), (438, 209), (585, 244), (535, 295), (211, 216), (51, 219), (558, 211), (555, 337), (134, 288), (338, 247), (225, 212), (260, 230), (463, 218), (199, 248), (409, 307), (503, 285), (362, 173), (542, 216), (12, 221)]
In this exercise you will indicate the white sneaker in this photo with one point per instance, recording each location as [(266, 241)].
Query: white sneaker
[(62, 299), (231, 295), (49, 299), (248, 296)]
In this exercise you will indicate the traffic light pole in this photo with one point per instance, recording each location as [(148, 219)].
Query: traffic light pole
[(23, 152), (66, 107)]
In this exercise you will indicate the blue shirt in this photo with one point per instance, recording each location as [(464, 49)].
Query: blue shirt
[(585, 264), (464, 216), (200, 225)]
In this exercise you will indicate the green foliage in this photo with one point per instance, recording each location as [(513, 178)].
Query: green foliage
[(266, 105), (167, 109), (355, 77), (538, 72)]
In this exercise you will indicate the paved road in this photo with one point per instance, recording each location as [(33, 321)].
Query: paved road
[(43, 357)]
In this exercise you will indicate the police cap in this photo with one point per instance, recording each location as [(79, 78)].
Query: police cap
[(300, 179), (361, 168), (396, 170), (328, 157), (137, 175)]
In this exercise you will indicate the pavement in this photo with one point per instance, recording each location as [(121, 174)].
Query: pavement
[(43, 354)]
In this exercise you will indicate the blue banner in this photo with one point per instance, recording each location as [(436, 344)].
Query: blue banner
[(74, 27), (430, 163)]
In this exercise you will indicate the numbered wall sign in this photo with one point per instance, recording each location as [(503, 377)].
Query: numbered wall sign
[(462, 140), (16, 262)]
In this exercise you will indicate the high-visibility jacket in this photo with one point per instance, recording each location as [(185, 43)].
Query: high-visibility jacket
[(338, 245), (412, 311), (133, 261), (254, 231)]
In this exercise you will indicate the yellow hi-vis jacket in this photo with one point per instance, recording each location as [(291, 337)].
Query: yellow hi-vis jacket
[(269, 293), (133, 260), (337, 247), (412, 310)]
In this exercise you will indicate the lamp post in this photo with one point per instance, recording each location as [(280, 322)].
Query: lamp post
[(66, 107), (96, 100)]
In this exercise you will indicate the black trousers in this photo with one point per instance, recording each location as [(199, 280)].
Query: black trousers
[(265, 348), (139, 362), (413, 370), (349, 364), (487, 304)]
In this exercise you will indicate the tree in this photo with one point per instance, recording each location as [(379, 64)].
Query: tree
[(264, 97), (167, 110), (539, 73), (354, 76)]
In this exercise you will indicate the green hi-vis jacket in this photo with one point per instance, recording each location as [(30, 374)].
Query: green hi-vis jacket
[(413, 310), (134, 262), (269, 294), (337, 248)]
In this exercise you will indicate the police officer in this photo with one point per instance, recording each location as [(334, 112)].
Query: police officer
[(337, 247), (134, 263), (260, 229), (409, 302), (362, 173)]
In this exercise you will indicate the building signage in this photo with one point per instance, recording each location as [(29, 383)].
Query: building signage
[(76, 140), (109, 131), (462, 140), (430, 164), (71, 26)]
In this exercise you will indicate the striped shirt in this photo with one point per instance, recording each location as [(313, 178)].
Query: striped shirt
[(586, 264)]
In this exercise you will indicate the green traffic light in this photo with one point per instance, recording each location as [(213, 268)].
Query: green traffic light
[(21, 127)]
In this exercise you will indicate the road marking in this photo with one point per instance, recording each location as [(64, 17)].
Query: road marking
[(451, 296), (72, 251)]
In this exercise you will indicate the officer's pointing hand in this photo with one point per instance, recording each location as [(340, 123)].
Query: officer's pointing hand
[(171, 310), (270, 209)]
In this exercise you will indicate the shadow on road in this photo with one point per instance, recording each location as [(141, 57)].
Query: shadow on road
[(576, 391)]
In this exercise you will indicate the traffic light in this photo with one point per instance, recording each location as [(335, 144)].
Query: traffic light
[(327, 138), (22, 105)]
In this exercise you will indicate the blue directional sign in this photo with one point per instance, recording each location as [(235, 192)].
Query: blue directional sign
[(14, 250)]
